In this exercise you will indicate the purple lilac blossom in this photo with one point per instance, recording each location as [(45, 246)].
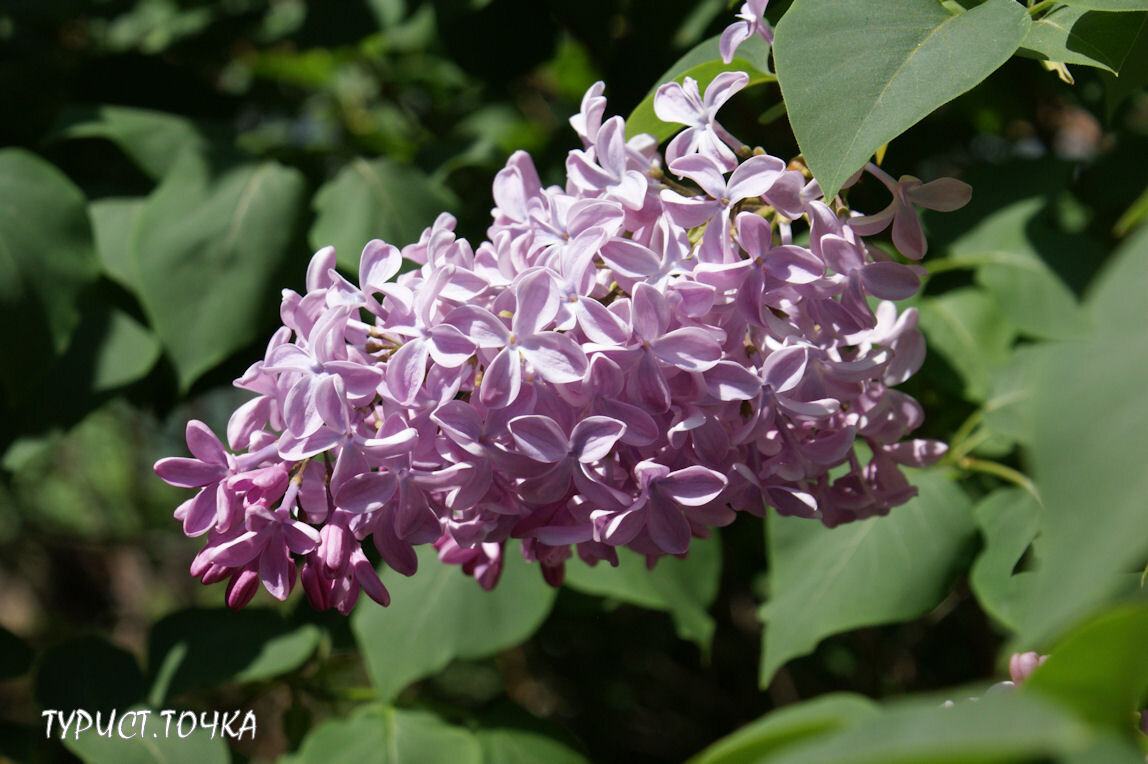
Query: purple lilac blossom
[(751, 21), (626, 361)]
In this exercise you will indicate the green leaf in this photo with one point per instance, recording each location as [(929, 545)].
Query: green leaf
[(46, 261), (826, 581), (1009, 409), (968, 329), (15, 655), (1080, 36), (997, 728), (703, 63), (151, 743), (387, 735), (1010, 266), (88, 673), (1108, 5), (787, 726), (153, 139), (1134, 216), (1088, 455), (512, 746), (1009, 520), (114, 222), (110, 349), (197, 648), (892, 63), (1113, 297), (1100, 669), (125, 352), (441, 614), (683, 588), (375, 199), (208, 250), (1133, 74)]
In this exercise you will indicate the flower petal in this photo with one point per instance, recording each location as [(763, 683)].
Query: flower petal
[(539, 437)]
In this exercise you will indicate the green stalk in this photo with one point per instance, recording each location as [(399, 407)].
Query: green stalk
[(999, 470)]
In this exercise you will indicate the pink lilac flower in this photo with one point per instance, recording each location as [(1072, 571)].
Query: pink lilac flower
[(943, 195), (751, 21), (625, 361), (704, 134)]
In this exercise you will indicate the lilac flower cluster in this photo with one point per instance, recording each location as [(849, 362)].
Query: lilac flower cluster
[(626, 361)]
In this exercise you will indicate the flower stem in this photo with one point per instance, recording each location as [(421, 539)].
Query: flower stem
[(999, 470), (1036, 9)]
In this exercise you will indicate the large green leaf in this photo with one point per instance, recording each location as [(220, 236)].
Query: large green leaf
[(1100, 670), (967, 328), (1108, 5), (1009, 520), (153, 139), (375, 199), (124, 352), (683, 588), (196, 648), (46, 261), (1009, 410), (1080, 36), (825, 581), (385, 735), (703, 63), (441, 614), (997, 728), (1133, 73), (1010, 261), (153, 739), (512, 746), (856, 75), (787, 726), (208, 249), (1088, 456), (114, 222)]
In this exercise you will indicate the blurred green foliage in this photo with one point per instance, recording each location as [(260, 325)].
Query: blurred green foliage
[(168, 165)]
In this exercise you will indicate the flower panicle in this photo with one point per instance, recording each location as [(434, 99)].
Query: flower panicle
[(630, 360)]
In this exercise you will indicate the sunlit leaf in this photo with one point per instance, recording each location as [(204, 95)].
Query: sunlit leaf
[(1080, 36), (884, 65), (969, 330), (825, 581), (153, 139), (208, 249), (1009, 409), (1088, 453), (46, 261), (114, 221), (787, 726), (1009, 520), (388, 736), (1010, 263), (375, 199), (1100, 669), (1108, 5), (511, 746), (997, 728), (441, 614)]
